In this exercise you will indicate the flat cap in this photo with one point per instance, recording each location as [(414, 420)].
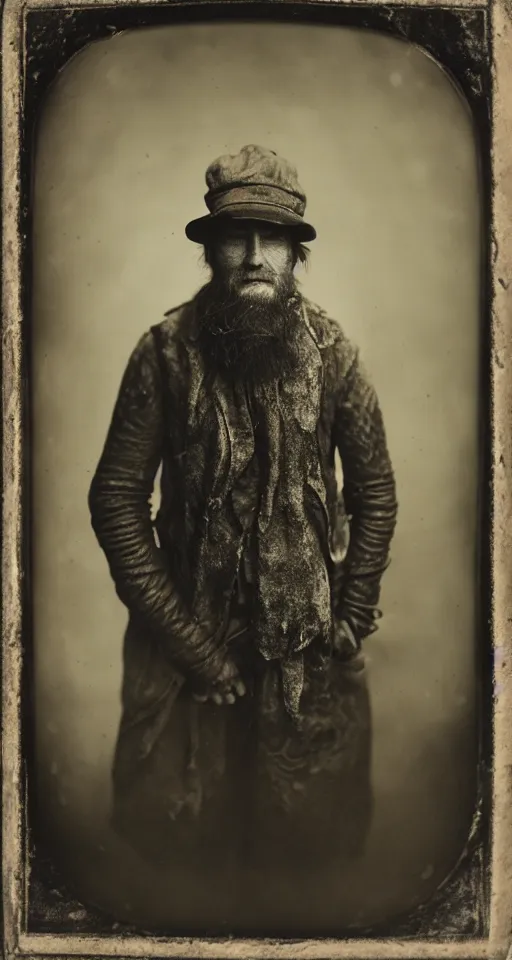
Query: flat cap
[(254, 184)]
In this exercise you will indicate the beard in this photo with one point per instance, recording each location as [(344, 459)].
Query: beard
[(253, 337)]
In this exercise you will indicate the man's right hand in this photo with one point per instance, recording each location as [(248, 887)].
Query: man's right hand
[(228, 686)]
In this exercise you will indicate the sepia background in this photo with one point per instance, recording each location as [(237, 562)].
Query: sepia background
[(385, 150)]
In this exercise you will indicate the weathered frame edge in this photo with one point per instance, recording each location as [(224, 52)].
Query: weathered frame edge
[(16, 942)]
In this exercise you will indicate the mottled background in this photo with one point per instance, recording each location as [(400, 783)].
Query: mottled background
[(385, 149)]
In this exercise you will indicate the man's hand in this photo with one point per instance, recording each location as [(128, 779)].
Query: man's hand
[(228, 686), (346, 648)]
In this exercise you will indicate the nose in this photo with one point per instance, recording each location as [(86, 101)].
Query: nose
[(253, 250)]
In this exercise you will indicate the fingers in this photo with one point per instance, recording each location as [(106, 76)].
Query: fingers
[(227, 695), (224, 675), (234, 690), (200, 697), (228, 687), (229, 673)]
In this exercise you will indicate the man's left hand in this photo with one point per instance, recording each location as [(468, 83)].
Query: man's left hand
[(346, 648)]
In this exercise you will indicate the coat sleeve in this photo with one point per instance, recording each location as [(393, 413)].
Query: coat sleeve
[(119, 503), (370, 497)]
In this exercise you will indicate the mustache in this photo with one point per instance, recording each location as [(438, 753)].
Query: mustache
[(237, 279), (266, 276)]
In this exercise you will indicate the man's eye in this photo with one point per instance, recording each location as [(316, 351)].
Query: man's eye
[(272, 236)]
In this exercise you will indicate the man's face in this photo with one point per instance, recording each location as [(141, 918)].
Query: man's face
[(253, 259)]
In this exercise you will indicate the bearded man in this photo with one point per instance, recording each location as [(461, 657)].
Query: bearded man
[(246, 726)]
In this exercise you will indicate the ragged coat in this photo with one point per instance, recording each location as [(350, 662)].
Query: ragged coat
[(177, 574)]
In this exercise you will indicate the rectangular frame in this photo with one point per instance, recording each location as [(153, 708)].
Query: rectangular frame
[(18, 943)]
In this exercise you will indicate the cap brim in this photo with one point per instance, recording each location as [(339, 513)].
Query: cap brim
[(199, 230)]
